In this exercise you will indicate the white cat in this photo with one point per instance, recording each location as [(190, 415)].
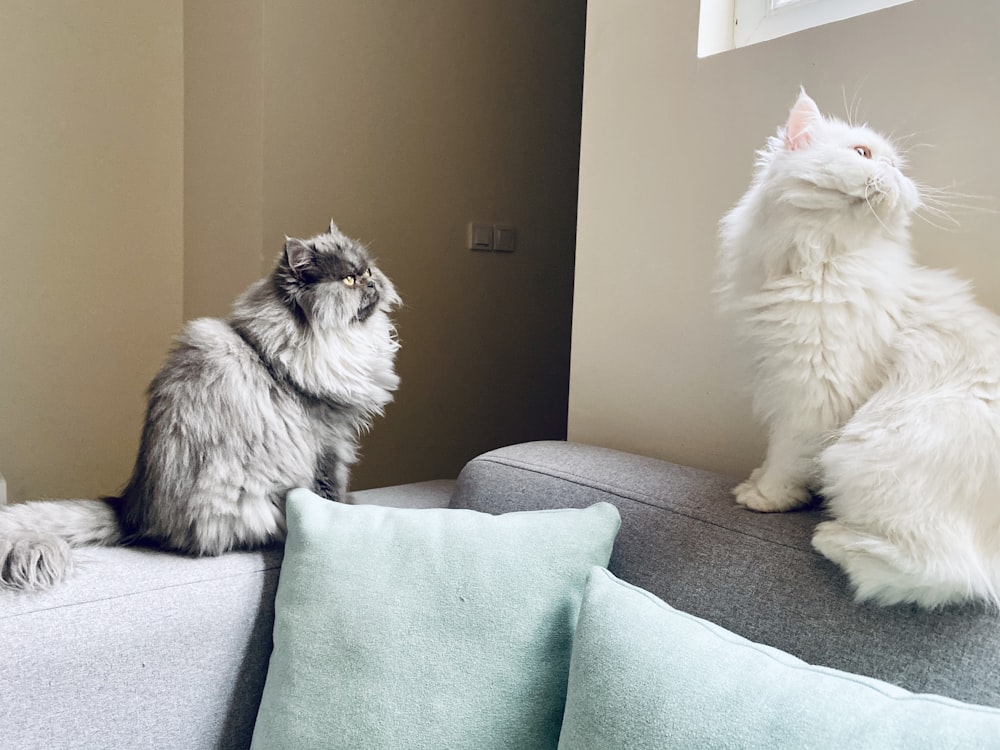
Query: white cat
[(878, 379)]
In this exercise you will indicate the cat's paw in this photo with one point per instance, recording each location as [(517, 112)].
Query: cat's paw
[(834, 541), (883, 572), (765, 497), (33, 562)]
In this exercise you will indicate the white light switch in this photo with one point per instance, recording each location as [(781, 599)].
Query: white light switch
[(480, 236), (504, 238)]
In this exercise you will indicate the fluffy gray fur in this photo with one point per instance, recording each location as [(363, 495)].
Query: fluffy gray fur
[(243, 410)]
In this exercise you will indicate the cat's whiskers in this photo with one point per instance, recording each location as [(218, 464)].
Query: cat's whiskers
[(869, 190), (942, 204), (847, 107), (903, 142), (853, 109)]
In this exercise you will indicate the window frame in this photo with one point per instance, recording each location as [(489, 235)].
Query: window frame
[(758, 20), (728, 24)]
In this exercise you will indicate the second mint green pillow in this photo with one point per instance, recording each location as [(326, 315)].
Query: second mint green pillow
[(645, 676), (419, 629)]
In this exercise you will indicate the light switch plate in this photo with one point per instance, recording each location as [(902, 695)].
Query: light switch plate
[(504, 238), (480, 236)]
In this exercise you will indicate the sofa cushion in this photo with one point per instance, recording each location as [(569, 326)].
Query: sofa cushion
[(644, 675), (435, 493), (426, 628)]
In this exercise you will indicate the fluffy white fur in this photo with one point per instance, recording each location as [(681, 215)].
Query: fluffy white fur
[(878, 379)]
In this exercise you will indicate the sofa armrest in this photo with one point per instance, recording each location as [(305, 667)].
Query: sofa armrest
[(685, 539)]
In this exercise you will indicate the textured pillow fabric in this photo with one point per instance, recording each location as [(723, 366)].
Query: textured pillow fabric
[(644, 675), (426, 628)]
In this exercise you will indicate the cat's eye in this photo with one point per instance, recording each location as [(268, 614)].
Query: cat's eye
[(354, 278), (864, 151)]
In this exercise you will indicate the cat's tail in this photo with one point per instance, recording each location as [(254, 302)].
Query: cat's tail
[(36, 537)]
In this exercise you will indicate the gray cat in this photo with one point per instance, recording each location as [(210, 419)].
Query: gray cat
[(243, 410)]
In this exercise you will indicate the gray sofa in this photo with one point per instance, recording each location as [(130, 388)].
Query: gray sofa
[(150, 650)]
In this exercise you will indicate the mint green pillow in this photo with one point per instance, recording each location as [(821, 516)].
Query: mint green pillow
[(646, 676), (437, 628)]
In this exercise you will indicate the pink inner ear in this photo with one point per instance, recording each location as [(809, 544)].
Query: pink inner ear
[(801, 119)]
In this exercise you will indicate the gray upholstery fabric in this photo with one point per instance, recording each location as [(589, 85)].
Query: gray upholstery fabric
[(145, 649), (139, 650), (433, 494), (684, 539)]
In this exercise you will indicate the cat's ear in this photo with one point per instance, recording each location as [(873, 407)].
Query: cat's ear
[(801, 120), (298, 254), (333, 228)]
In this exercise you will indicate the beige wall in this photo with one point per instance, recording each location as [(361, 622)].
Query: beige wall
[(403, 121), (90, 234), (223, 152), (156, 153), (667, 148)]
